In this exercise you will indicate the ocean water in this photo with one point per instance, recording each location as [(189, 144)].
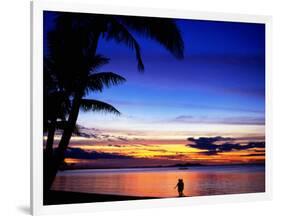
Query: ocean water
[(160, 182)]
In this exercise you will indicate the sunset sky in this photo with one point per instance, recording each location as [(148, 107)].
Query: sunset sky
[(207, 108)]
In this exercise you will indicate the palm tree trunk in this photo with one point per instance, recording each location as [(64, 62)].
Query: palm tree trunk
[(50, 139), (69, 128), (48, 158), (59, 155), (67, 133)]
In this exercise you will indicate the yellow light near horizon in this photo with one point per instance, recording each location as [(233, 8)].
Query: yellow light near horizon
[(145, 151), (71, 160), (169, 150)]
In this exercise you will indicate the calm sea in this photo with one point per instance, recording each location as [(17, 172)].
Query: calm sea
[(160, 182)]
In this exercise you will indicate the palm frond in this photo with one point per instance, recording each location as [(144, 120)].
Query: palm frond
[(95, 105), (97, 81), (162, 30), (98, 61), (120, 34)]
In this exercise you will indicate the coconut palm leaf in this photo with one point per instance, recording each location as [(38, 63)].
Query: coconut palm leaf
[(97, 81), (120, 34), (97, 62), (163, 30), (95, 105)]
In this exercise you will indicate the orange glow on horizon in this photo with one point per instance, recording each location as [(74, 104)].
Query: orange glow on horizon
[(176, 152)]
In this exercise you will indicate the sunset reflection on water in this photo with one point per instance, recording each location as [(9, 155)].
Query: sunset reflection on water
[(161, 182)]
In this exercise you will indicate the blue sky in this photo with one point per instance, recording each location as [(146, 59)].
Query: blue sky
[(221, 76), (221, 80)]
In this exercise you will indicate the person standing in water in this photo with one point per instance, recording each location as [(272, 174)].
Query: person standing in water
[(180, 186)]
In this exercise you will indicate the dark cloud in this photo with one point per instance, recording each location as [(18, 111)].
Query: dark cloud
[(86, 135), (211, 139), (118, 146), (210, 144), (157, 150), (122, 139), (79, 153), (260, 151), (81, 127), (98, 134), (256, 144)]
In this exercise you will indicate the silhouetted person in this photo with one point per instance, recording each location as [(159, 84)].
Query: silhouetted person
[(180, 186)]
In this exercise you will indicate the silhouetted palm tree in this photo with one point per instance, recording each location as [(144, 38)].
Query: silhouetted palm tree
[(73, 46), (58, 104)]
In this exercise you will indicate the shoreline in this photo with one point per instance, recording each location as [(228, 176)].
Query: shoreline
[(67, 197)]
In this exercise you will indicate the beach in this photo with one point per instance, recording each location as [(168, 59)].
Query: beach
[(100, 185), (66, 197)]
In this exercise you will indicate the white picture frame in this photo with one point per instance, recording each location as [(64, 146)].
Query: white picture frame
[(37, 8)]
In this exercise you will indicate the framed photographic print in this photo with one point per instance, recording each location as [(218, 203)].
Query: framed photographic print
[(141, 107)]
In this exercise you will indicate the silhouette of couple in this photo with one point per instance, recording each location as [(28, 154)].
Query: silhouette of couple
[(180, 186)]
